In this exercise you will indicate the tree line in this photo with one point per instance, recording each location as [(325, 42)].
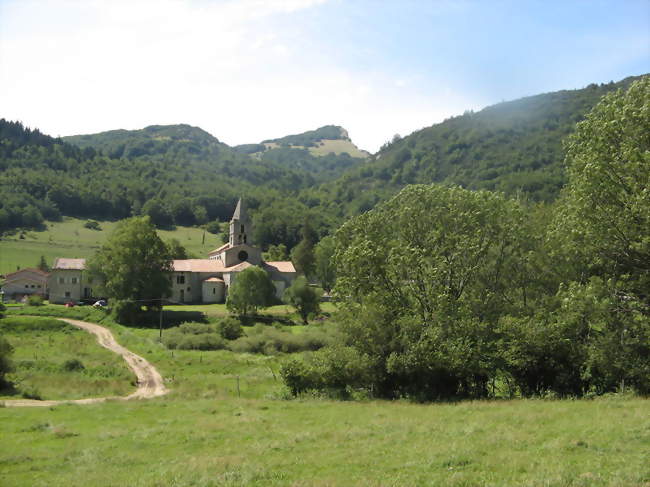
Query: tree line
[(451, 293)]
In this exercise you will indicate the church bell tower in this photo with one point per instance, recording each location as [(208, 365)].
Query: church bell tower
[(241, 229)]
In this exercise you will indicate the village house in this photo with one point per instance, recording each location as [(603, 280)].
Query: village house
[(68, 281), (24, 282)]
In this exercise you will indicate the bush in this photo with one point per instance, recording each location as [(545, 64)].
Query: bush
[(229, 328), (269, 341), (73, 365), (92, 225), (193, 336), (339, 372), (35, 300), (5, 359)]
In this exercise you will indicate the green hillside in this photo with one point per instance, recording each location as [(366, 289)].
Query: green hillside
[(511, 147), (325, 153), (69, 238)]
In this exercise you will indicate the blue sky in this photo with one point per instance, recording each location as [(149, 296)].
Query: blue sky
[(248, 70)]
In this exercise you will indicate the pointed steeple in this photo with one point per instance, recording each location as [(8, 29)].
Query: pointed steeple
[(239, 209), (240, 226)]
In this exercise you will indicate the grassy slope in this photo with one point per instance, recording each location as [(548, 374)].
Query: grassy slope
[(69, 238), (337, 146), (40, 354), (204, 434)]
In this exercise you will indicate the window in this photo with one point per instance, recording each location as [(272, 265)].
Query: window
[(67, 294), (61, 280), (189, 289), (214, 290), (180, 279), (33, 286), (39, 286), (73, 280), (242, 229), (26, 286)]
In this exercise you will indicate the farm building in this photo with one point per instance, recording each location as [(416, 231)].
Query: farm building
[(23, 283)]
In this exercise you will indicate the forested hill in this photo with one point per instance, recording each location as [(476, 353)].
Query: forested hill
[(176, 174), (510, 147), (325, 153)]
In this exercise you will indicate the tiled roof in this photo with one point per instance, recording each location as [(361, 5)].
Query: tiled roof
[(198, 265), (67, 264), (280, 266), (29, 269), (213, 279), (220, 249), (238, 267)]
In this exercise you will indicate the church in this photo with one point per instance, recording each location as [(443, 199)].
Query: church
[(208, 280)]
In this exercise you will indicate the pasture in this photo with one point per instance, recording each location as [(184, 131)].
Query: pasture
[(69, 238), (227, 421)]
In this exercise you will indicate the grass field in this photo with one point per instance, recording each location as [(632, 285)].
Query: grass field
[(69, 238), (225, 422), (41, 351)]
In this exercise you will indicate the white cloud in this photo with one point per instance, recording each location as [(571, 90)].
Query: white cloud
[(72, 67)]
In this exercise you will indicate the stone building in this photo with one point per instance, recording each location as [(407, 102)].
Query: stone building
[(23, 283), (69, 281), (208, 280)]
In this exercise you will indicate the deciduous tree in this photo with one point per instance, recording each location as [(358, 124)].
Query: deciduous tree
[(134, 267)]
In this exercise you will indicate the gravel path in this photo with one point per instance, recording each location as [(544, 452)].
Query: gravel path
[(150, 382)]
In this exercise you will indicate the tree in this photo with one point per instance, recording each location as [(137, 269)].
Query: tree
[(134, 267), (325, 268), (422, 295), (176, 250), (304, 298), (302, 254), (251, 290), (5, 359), (42, 264), (276, 253), (213, 227), (606, 205)]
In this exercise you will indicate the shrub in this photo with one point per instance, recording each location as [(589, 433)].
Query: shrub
[(193, 336), (73, 365), (35, 300), (5, 363), (340, 372), (269, 341), (92, 225), (192, 328), (229, 328)]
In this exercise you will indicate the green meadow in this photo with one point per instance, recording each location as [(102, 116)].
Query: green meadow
[(55, 360), (69, 238), (227, 421)]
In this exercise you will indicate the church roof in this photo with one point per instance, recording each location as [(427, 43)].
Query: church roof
[(220, 249), (280, 266), (213, 279), (198, 265), (67, 264)]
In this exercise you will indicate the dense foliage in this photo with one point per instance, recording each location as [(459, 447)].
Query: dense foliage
[(511, 147), (460, 295), (252, 289), (133, 268), (303, 297)]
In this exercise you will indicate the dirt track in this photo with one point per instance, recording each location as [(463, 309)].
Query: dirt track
[(150, 382)]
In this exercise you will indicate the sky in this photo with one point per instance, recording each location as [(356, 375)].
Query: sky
[(249, 70)]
